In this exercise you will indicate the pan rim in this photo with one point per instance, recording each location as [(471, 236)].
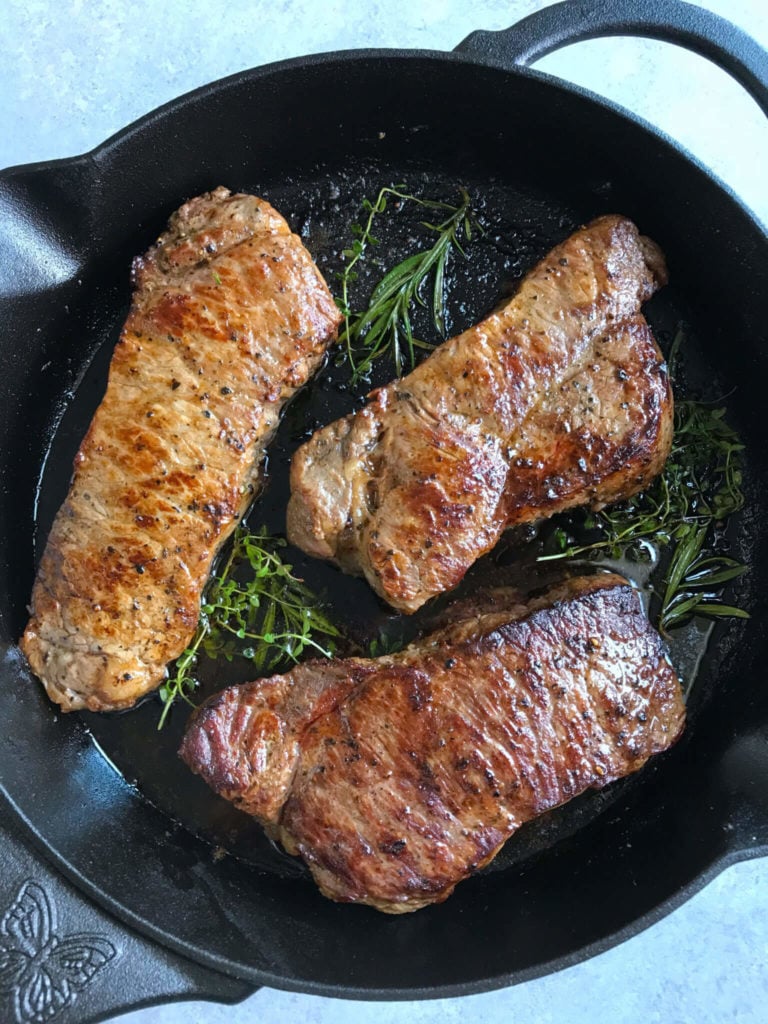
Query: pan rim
[(258, 976), (104, 149)]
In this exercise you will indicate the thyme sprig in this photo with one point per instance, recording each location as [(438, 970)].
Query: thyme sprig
[(699, 488), (270, 618), (385, 325)]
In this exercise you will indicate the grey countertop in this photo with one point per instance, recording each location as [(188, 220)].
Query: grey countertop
[(75, 71)]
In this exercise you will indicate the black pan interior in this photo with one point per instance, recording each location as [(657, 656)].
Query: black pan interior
[(315, 140), (516, 225)]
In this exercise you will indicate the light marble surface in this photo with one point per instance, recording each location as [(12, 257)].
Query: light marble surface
[(75, 71)]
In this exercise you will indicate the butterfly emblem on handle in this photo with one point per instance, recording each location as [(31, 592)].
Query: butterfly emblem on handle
[(40, 971)]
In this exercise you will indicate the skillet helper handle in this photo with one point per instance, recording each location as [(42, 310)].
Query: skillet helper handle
[(671, 21), (64, 960)]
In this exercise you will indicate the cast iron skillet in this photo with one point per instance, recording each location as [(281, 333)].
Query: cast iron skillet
[(315, 135)]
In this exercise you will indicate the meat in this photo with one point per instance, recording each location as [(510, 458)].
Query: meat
[(229, 317), (558, 400), (398, 777)]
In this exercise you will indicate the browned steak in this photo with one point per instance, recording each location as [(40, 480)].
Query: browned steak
[(229, 317), (558, 400), (398, 777)]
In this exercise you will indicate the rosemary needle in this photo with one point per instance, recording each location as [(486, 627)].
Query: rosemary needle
[(692, 582)]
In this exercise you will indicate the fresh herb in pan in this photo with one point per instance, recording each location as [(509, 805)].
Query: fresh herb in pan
[(265, 614), (693, 581), (698, 490), (385, 325), (386, 643)]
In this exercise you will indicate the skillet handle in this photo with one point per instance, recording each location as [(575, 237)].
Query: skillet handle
[(97, 967), (671, 21)]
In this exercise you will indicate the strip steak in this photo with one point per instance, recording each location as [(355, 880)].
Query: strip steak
[(398, 777), (560, 399), (229, 317)]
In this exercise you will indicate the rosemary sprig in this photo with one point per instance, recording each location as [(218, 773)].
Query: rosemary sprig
[(268, 618), (385, 325), (692, 582), (699, 488)]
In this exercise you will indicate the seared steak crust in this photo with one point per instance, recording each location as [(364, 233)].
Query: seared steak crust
[(230, 316), (398, 777), (558, 400)]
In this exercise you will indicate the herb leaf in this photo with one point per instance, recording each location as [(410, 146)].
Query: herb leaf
[(385, 325), (688, 572), (269, 618)]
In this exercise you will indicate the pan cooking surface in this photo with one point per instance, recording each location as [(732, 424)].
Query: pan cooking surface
[(520, 224)]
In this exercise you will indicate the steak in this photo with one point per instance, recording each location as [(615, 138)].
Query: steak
[(229, 317), (398, 777), (558, 400)]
